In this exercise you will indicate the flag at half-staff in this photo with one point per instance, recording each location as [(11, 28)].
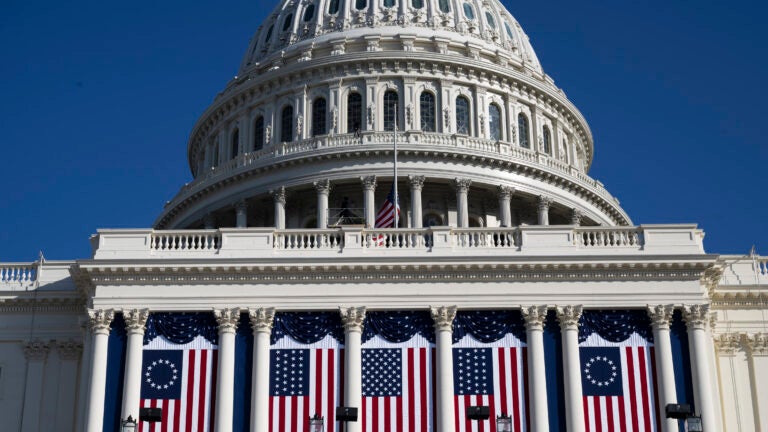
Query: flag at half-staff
[(386, 216)]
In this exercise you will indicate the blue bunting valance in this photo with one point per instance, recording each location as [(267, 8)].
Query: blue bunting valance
[(398, 326), (615, 325), (307, 327), (182, 327), (488, 326)]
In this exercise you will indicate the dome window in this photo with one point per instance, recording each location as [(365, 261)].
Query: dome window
[(445, 7), (319, 111), (287, 22), (309, 13), (333, 7), (361, 4), (258, 133), (354, 112), (509, 30), (494, 122), (417, 4), (468, 11), (491, 21), (522, 130), (235, 144), (462, 115), (427, 111), (390, 110), (547, 140), (390, 3), (286, 124), (269, 34)]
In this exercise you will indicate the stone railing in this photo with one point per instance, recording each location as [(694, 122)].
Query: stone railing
[(445, 241), (16, 276)]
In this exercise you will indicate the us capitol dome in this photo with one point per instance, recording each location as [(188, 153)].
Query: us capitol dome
[(281, 290)]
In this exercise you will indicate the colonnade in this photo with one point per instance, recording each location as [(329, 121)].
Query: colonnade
[(261, 320)]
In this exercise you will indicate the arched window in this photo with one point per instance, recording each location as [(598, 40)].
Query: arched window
[(318, 117), (547, 141), (269, 34), (522, 130), (491, 21), (468, 11), (389, 3), (286, 124), (494, 122), (333, 7), (427, 111), (361, 4), (445, 7), (258, 133), (417, 4), (509, 30), (215, 156), (462, 115), (287, 22), (309, 13), (354, 112), (235, 150), (390, 110), (565, 151)]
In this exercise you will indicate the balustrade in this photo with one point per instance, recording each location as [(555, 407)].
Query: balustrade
[(607, 237), (762, 266), (486, 237), (318, 239), (187, 240), (387, 238), (21, 273)]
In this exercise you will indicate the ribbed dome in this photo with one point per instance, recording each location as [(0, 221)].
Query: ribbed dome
[(481, 25)]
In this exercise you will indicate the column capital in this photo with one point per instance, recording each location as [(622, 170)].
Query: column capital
[(278, 195), (227, 319), (728, 343), (544, 202), (369, 182), (323, 186), (262, 319), (416, 182), (443, 317), (352, 318), (534, 316), (100, 319), (136, 320), (757, 344), (696, 316), (569, 315), (69, 350), (505, 192), (462, 184), (661, 315), (36, 350), (576, 216)]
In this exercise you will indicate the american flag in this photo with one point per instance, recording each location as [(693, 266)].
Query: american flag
[(619, 385), (304, 380), (386, 216), (182, 382), (492, 376), (398, 386)]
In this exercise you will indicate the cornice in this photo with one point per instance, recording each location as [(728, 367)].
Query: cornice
[(740, 300), (49, 305)]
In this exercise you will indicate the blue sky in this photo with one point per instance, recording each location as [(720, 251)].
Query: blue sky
[(98, 99)]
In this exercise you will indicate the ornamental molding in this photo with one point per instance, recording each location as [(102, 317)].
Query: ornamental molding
[(728, 343), (661, 315), (368, 182), (443, 317), (568, 316), (416, 182), (262, 319), (352, 318), (534, 316), (711, 279), (740, 300), (36, 350), (227, 318), (69, 350), (505, 192)]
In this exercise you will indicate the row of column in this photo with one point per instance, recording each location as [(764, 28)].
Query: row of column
[(416, 183), (261, 319)]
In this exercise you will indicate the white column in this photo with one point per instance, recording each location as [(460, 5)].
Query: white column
[(278, 196), (505, 212), (241, 213), (35, 352), (225, 382), (99, 322), (462, 207), (757, 356), (369, 189), (69, 353), (661, 315), (353, 318), (569, 328), (417, 184), (84, 381), (576, 217), (697, 319), (443, 318), (534, 333), (135, 320), (544, 203), (261, 323), (323, 188)]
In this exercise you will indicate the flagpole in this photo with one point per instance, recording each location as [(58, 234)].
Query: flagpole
[(394, 186)]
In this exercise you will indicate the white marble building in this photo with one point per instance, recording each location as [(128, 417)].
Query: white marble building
[(498, 213)]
